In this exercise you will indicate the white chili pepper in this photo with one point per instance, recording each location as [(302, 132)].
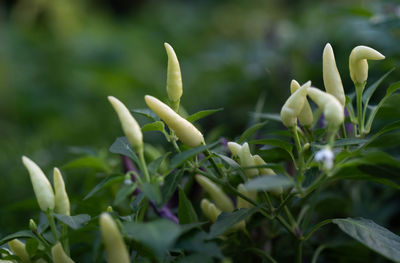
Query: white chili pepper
[(59, 255), (62, 205), (174, 78), (305, 117), (219, 197), (358, 62), (332, 81), (293, 106)]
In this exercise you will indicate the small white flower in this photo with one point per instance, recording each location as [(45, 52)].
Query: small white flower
[(325, 156)]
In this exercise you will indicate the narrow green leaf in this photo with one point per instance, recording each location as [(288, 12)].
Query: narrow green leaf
[(343, 142), (88, 162), (31, 246), (276, 143), (19, 234), (227, 220), (180, 158), (147, 113), (159, 235), (368, 92), (201, 114), (154, 126), (372, 235), (154, 165), (269, 182), (124, 192), (186, 213), (103, 184), (350, 108), (152, 192), (250, 132), (122, 146), (170, 184), (75, 222), (268, 116)]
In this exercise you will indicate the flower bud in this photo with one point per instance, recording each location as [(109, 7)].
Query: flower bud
[(241, 203), (210, 210), (217, 195), (294, 105), (305, 117), (109, 209), (32, 225), (247, 160), (185, 130), (129, 125), (263, 170), (332, 81), (61, 197), (333, 110), (174, 79), (358, 62), (113, 241), (59, 255), (41, 185), (19, 250)]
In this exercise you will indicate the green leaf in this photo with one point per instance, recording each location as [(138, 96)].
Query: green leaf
[(368, 92), (103, 184), (147, 113), (268, 116), (125, 191), (392, 88), (154, 126), (343, 142), (152, 192), (186, 213), (122, 146), (75, 222), (250, 132), (88, 162), (269, 182), (19, 234), (180, 158), (154, 165), (159, 235), (31, 246), (227, 220), (170, 184), (201, 114), (350, 108), (372, 235), (198, 242), (287, 147)]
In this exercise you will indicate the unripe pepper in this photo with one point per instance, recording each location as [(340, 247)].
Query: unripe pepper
[(59, 255), (332, 81), (358, 62), (113, 241), (241, 203), (210, 210), (293, 106), (129, 125), (305, 117), (220, 198), (235, 148), (41, 185), (333, 110), (62, 205), (174, 78), (263, 170), (19, 249), (247, 160), (185, 130)]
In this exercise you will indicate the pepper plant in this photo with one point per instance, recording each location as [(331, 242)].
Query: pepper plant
[(251, 199)]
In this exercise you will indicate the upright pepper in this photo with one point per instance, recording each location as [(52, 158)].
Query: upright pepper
[(305, 117), (293, 106), (41, 185), (59, 255), (185, 130), (113, 241), (129, 125), (19, 249), (332, 81), (219, 197), (62, 205), (174, 78), (247, 160), (209, 210), (358, 63)]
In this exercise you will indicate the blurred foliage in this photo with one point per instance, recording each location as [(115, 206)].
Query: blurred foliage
[(59, 59)]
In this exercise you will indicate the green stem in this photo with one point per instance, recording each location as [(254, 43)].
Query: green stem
[(142, 211), (299, 251), (359, 91), (52, 223), (300, 162), (286, 225), (144, 167), (316, 227), (39, 236), (64, 231), (290, 217), (317, 253), (207, 153), (344, 134), (284, 202)]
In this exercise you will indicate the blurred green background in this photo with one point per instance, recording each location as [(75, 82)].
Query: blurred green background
[(59, 59)]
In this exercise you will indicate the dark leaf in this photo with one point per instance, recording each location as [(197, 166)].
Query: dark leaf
[(75, 222), (247, 134), (186, 213), (269, 182), (201, 114)]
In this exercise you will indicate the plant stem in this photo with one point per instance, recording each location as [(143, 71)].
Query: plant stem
[(317, 253), (144, 167), (359, 91), (286, 225), (300, 162), (316, 227), (344, 133), (208, 154), (52, 223), (299, 251), (64, 234)]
